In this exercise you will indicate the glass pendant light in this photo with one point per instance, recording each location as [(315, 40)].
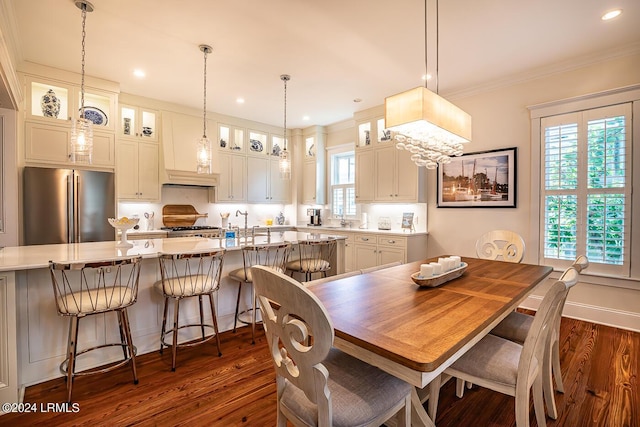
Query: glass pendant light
[(81, 149), (424, 123), (285, 160), (203, 145)]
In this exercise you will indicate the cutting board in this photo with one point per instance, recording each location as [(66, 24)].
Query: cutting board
[(180, 215)]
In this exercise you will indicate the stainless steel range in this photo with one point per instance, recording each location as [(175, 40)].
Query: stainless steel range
[(193, 231)]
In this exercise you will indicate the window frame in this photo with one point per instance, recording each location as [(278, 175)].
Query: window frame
[(332, 151), (630, 94)]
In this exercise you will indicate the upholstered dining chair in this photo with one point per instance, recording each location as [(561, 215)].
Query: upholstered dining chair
[(332, 278), (273, 255), (502, 245), (511, 368), (515, 327), (318, 385)]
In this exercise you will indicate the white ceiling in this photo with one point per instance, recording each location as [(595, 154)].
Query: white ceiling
[(335, 50)]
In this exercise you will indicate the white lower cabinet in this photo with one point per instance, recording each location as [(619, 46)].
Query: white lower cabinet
[(365, 250), (349, 254), (9, 388), (371, 250)]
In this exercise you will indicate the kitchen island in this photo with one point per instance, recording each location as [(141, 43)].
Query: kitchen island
[(33, 336)]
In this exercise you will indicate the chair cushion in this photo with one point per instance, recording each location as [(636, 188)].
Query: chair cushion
[(492, 358), (238, 274), (308, 265), (359, 392), (514, 327), (185, 286), (96, 300)]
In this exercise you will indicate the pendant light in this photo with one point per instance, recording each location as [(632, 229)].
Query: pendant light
[(285, 161), (424, 123), (203, 145), (82, 129)]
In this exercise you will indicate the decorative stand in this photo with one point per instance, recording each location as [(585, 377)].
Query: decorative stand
[(123, 224)]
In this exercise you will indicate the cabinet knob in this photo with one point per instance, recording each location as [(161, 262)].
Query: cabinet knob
[(391, 241), (366, 239)]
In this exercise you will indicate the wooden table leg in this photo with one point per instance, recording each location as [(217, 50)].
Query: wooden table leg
[(419, 416)]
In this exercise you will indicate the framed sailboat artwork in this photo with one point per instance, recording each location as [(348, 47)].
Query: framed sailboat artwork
[(485, 179)]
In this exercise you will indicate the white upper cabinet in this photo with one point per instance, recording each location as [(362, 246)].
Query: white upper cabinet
[(138, 123), (51, 105)]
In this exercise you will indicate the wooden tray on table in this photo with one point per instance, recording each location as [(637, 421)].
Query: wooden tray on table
[(440, 279)]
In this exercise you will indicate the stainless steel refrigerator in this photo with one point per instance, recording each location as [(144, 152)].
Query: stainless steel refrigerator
[(67, 206)]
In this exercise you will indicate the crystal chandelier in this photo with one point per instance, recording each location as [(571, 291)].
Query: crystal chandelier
[(425, 124), (203, 145), (285, 161), (81, 149)]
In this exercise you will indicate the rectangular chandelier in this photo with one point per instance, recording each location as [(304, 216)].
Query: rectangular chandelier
[(419, 112)]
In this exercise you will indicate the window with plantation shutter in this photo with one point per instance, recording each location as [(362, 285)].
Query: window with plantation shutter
[(586, 188), (343, 190)]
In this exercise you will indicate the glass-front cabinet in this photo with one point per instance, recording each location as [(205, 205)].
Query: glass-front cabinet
[(258, 143), (51, 105), (277, 145), (138, 123), (56, 102), (231, 139), (372, 132), (310, 148)]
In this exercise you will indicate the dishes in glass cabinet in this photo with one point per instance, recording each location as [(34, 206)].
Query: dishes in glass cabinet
[(255, 145), (95, 116), (50, 104), (275, 151)]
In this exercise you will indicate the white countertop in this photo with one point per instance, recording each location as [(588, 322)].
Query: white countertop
[(38, 256), (334, 229)]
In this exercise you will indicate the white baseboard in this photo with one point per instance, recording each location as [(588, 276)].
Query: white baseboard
[(591, 313)]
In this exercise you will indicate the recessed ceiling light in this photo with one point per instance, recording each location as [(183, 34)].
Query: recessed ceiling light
[(305, 118), (611, 14), (139, 73), (357, 100), (240, 100)]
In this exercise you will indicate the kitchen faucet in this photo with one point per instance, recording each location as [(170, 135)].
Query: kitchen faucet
[(246, 215)]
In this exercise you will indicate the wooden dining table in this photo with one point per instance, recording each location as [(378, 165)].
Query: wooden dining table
[(415, 333)]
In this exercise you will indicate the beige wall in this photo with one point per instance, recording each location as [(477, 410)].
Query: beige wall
[(501, 119)]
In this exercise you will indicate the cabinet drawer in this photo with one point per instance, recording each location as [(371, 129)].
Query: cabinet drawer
[(392, 241), (365, 238)]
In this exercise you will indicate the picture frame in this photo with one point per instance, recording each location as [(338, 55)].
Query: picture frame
[(484, 179), (407, 221)]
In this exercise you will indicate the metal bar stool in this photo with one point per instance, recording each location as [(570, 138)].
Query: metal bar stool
[(86, 288), (270, 255), (185, 275), (314, 256)]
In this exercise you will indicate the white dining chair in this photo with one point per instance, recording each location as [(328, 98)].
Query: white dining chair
[(502, 245), (511, 368), (318, 385), (515, 327), (332, 278)]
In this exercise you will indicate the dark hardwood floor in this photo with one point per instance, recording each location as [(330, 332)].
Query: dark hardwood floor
[(600, 368)]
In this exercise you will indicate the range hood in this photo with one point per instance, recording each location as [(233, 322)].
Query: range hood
[(179, 135)]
